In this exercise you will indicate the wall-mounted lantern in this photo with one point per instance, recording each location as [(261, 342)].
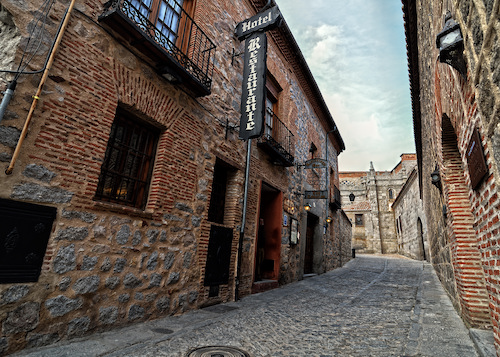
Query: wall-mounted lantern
[(451, 45), (328, 219), (307, 207), (436, 178)]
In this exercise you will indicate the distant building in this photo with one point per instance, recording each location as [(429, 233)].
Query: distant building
[(411, 225), (367, 198)]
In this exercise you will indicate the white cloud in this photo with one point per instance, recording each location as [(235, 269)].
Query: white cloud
[(356, 52)]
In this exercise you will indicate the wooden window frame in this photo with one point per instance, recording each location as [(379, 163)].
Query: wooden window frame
[(270, 112), (187, 5), (273, 90)]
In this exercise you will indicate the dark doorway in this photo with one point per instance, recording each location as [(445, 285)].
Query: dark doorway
[(218, 256), (421, 243), (312, 223), (268, 247)]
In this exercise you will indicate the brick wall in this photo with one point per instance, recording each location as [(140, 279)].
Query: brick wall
[(462, 240), (107, 264)]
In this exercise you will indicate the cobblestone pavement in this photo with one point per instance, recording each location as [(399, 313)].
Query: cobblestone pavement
[(374, 306)]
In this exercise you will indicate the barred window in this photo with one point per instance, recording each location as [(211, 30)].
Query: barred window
[(128, 163)]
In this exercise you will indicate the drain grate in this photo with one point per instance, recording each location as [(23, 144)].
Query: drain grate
[(218, 351), (220, 309), (161, 330)]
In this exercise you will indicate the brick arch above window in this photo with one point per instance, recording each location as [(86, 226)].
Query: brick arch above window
[(146, 96)]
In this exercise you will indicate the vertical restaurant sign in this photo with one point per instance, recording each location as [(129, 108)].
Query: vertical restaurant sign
[(253, 96)]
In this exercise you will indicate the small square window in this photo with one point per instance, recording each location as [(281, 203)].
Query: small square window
[(359, 220), (128, 163), (24, 232)]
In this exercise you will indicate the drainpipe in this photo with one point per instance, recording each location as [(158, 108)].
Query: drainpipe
[(328, 171), (36, 97), (7, 97), (243, 221)]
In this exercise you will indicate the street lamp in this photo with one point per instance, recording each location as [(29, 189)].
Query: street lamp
[(436, 178), (451, 45)]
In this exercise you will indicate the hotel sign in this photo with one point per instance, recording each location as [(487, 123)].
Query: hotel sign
[(316, 195), (253, 94), (263, 21), (316, 164)]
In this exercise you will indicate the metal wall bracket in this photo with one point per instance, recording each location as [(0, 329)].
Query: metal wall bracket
[(234, 55)]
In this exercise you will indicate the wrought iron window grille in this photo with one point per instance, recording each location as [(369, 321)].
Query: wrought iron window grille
[(128, 164)]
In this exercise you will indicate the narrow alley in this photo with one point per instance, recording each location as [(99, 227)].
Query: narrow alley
[(374, 306)]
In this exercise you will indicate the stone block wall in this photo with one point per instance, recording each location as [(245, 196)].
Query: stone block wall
[(345, 232), (411, 222), (372, 200), (106, 264)]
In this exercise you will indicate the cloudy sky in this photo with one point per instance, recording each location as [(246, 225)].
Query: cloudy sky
[(356, 51)]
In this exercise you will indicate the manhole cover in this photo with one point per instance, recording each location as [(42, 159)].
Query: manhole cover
[(218, 351)]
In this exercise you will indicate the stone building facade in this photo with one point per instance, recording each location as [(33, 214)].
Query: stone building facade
[(124, 201), (410, 218), (457, 131), (367, 198)]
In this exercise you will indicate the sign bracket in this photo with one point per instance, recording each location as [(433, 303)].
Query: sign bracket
[(234, 55)]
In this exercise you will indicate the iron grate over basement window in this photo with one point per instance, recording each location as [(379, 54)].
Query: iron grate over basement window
[(24, 233), (128, 163)]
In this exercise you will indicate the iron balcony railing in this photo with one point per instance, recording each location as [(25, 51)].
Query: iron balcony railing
[(181, 39), (278, 140), (335, 199)]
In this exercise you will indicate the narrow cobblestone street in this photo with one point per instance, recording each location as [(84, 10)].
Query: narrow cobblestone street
[(374, 306)]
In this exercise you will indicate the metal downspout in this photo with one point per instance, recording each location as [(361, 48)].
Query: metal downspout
[(7, 97), (243, 221), (36, 97)]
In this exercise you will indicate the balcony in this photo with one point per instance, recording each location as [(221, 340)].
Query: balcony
[(179, 50), (277, 141), (335, 200)]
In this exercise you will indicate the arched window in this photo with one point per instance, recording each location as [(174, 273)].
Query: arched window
[(391, 194)]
